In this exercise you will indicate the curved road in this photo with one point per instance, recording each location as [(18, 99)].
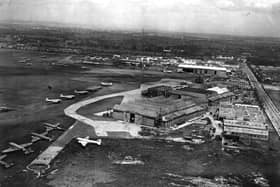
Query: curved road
[(102, 127)]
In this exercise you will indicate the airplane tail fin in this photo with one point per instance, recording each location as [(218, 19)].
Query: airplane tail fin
[(99, 141), (83, 143), (48, 129), (28, 151)]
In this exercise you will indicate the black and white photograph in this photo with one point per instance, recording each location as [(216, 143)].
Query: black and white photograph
[(139, 93)]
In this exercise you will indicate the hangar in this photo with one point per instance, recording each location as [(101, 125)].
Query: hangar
[(204, 70)]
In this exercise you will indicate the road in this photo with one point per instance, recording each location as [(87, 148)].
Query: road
[(270, 109)]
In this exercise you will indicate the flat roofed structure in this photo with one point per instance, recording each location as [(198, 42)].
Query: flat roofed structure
[(157, 91), (193, 92), (246, 129), (241, 112), (224, 97), (246, 121), (192, 66)]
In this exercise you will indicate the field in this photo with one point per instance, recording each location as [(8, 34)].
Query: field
[(24, 88)]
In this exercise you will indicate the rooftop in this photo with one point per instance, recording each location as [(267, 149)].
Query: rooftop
[(218, 90), (182, 112), (245, 124), (192, 66), (246, 127), (221, 96), (194, 90), (242, 112), (153, 107)]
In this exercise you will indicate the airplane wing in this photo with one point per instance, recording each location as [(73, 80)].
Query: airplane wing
[(12, 148), (26, 144), (35, 139), (42, 134), (3, 157), (84, 143), (49, 128)]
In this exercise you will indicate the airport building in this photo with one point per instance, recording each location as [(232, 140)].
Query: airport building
[(226, 97), (204, 70), (246, 129), (243, 121), (159, 111), (192, 92), (157, 91), (237, 83)]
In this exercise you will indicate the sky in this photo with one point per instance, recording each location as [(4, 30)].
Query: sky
[(234, 17)]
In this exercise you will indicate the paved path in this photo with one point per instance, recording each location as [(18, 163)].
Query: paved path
[(42, 162)]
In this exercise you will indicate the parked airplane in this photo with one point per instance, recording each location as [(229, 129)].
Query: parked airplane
[(3, 163), (67, 96), (106, 83), (54, 101), (86, 140), (43, 136), (167, 71), (55, 126), (19, 147), (81, 92)]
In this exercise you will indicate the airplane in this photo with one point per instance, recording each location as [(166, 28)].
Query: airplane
[(18, 147), (67, 96), (22, 61), (81, 92), (3, 163), (93, 88), (54, 101), (37, 136), (167, 71), (106, 83), (55, 126), (86, 140)]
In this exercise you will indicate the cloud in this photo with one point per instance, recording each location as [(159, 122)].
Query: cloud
[(4, 2), (259, 6), (225, 4), (206, 16)]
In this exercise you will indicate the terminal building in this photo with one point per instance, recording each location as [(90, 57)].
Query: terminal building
[(163, 112), (204, 70), (243, 121)]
